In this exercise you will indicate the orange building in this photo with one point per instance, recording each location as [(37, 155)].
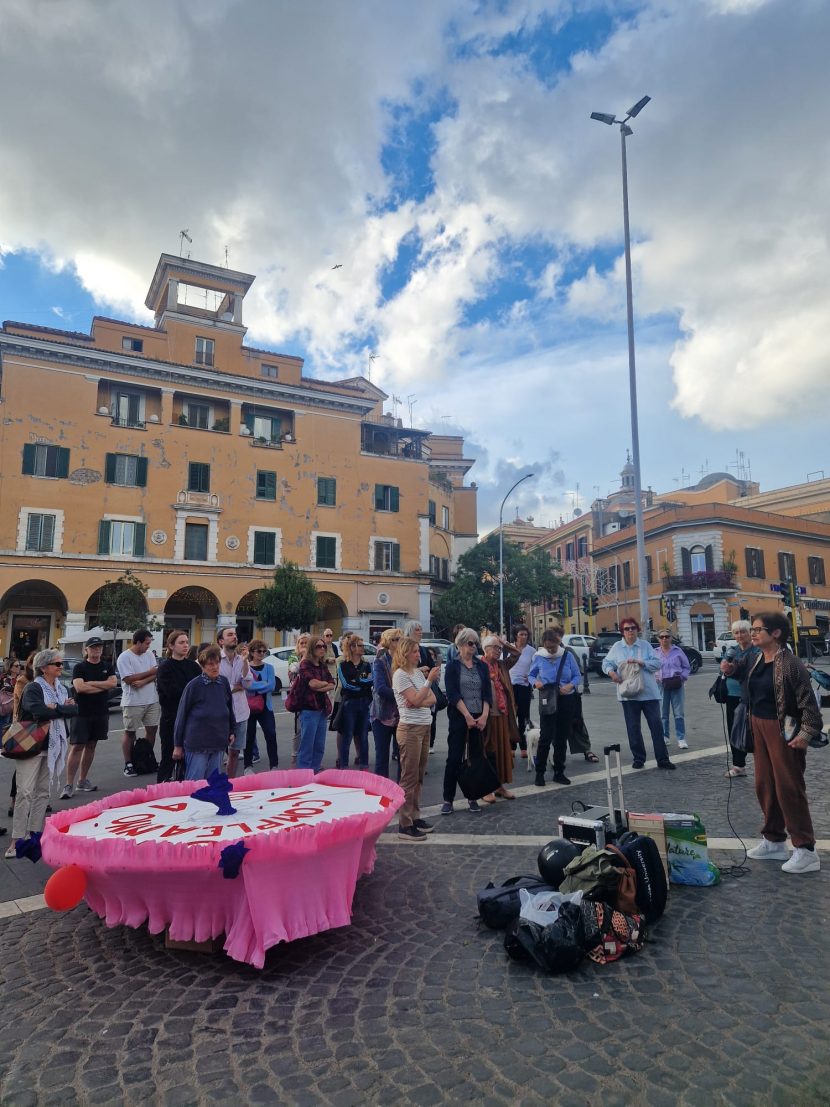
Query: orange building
[(202, 463)]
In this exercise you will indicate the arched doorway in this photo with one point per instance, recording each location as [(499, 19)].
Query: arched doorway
[(195, 610), (33, 613), (331, 611), (246, 616), (702, 618)]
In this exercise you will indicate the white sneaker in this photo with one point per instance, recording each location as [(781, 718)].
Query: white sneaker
[(68, 792), (769, 851), (249, 771), (86, 785), (802, 861), (683, 745)]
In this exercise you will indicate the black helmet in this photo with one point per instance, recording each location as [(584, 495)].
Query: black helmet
[(553, 858)]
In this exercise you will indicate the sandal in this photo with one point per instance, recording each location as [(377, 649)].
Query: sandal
[(735, 771), (592, 757), (504, 794), (488, 799)]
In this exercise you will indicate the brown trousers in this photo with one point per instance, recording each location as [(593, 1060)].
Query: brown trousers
[(413, 743), (779, 785)]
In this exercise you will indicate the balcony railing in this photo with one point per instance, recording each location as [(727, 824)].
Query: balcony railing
[(701, 582)]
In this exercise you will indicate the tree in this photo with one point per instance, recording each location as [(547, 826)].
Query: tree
[(474, 597), (291, 601), (123, 605)]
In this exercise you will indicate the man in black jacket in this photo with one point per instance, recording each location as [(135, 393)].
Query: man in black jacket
[(175, 673)]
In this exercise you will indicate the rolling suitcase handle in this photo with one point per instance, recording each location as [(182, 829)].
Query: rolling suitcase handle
[(607, 750)]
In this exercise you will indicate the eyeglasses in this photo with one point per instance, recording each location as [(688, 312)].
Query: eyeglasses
[(329, 636), (629, 627), (757, 630), (56, 664), (258, 650), (660, 636), (320, 645)]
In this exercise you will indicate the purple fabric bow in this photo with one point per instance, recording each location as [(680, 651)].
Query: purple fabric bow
[(29, 847), (231, 858), (218, 791)]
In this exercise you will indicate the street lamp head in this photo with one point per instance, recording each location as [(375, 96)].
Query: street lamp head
[(603, 117), (638, 107), (626, 130)]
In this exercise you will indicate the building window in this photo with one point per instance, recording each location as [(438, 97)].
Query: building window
[(815, 568), (613, 578), (582, 548), (786, 565), (120, 538), (45, 461), (445, 568), (204, 351), (434, 566), (431, 512), (626, 574), (265, 547), (132, 345), (649, 571), (387, 557), (697, 559), (327, 491), (195, 541), (445, 518), (569, 551), (127, 408), (40, 533), (326, 552), (198, 415), (755, 562), (126, 469), (266, 485), (269, 371), (386, 497), (198, 477)]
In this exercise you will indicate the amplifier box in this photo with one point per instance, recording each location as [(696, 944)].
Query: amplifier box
[(591, 827)]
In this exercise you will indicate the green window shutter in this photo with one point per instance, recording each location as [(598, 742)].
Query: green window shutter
[(379, 497), (109, 468), (264, 548), (47, 533), (396, 558), (394, 499), (139, 540), (33, 531), (141, 472), (62, 468), (28, 459), (266, 485), (104, 536)]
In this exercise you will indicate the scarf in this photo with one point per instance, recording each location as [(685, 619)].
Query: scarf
[(52, 696), (542, 652), (498, 687)]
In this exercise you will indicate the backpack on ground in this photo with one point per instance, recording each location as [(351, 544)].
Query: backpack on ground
[(144, 760), (498, 907), (643, 856)]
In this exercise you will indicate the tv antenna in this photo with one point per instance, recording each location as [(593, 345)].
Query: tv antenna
[(411, 402), (184, 236), (227, 263), (372, 357), (395, 401)]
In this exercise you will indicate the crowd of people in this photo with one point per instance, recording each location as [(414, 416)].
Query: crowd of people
[(208, 704)]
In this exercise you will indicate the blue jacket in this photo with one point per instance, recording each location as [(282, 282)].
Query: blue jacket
[(205, 719), (452, 683), (265, 683), (384, 697), (546, 669), (640, 651)]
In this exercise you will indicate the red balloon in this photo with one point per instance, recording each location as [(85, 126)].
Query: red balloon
[(65, 888)]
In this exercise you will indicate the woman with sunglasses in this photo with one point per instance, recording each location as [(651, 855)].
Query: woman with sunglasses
[(672, 676), (641, 656), (261, 705), (470, 696), (311, 692), (45, 702), (784, 718)]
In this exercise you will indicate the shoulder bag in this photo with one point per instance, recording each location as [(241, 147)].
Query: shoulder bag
[(23, 740), (549, 693), (476, 776)]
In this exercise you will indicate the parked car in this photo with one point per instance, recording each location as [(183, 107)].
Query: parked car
[(581, 646), (65, 677), (695, 656), (278, 659), (599, 649), (723, 642)]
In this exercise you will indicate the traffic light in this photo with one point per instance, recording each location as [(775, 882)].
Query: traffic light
[(586, 605), (594, 602), (567, 605), (670, 611), (784, 589), (663, 607)]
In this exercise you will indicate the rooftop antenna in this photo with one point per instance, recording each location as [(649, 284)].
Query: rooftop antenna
[(184, 236), (227, 263), (704, 469), (395, 401), (372, 357), (411, 402)]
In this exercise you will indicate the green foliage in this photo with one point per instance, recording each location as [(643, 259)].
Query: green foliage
[(291, 601), (473, 598), (123, 605)]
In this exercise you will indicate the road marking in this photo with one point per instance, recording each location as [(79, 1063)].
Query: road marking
[(727, 845), (15, 907)]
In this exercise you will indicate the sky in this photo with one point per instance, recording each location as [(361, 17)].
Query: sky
[(443, 156)]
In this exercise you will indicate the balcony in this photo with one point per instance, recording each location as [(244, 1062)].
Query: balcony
[(707, 581), (206, 500), (388, 440)]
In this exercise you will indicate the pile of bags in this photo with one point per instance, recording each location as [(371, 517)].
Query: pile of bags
[(590, 902)]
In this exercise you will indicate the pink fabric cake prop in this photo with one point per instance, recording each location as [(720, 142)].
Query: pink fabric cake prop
[(153, 860)]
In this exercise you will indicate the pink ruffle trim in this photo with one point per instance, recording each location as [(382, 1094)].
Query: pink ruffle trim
[(278, 896)]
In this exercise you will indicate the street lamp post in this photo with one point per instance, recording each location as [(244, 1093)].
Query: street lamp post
[(501, 551), (625, 131)]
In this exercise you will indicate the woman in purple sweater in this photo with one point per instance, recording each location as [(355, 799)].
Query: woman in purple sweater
[(205, 719)]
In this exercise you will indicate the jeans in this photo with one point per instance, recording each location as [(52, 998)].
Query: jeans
[(674, 699), (313, 726), (383, 739), (738, 756), (523, 695), (633, 710), (456, 741), (199, 764), (269, 729), (354, 722)]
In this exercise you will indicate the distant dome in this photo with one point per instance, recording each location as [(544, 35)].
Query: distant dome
[(713, 478)]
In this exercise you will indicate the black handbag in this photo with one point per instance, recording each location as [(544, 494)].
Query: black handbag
[(718, 692), (441, 701), (336, 715), (549, 699), (476, 776)]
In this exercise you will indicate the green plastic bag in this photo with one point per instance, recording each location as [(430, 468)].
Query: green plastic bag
[(687, 851)]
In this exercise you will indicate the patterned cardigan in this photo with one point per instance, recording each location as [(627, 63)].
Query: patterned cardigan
[(794, 697)]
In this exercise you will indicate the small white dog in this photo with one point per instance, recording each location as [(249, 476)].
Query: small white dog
[(532, 736)]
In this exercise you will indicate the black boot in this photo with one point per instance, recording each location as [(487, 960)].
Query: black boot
[(540, 780)]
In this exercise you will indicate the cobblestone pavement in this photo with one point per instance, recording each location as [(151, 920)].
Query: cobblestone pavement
[(727, 1005)]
